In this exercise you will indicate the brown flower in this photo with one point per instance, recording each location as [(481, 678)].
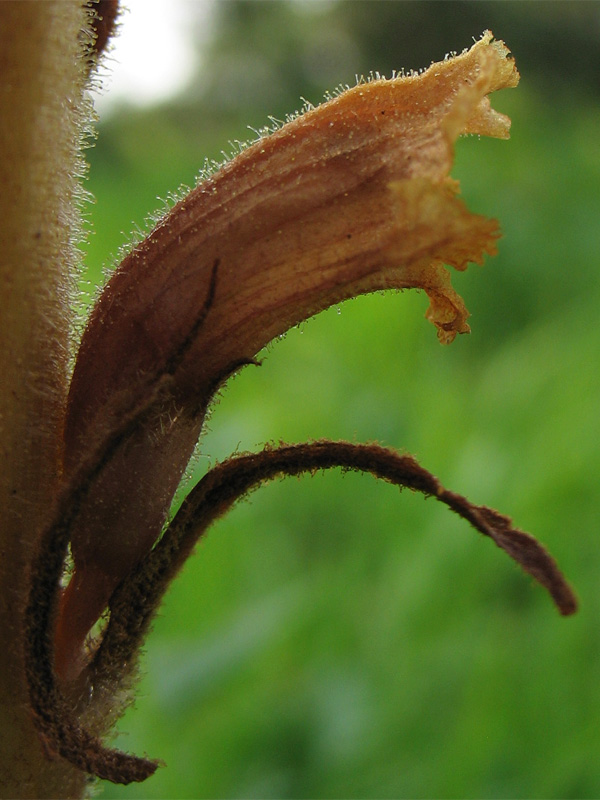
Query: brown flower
[(350, 197)]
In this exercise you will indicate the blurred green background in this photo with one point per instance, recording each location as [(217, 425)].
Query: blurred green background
[(331, 637)]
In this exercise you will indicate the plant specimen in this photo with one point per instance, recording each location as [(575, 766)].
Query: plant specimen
[(346, 198)]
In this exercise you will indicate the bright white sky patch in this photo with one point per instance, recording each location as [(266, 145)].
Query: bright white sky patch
[(155, 52)]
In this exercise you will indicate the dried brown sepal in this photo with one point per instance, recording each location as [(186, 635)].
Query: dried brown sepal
[(135, 602), (57, 725), (47, 672), (348, 198)]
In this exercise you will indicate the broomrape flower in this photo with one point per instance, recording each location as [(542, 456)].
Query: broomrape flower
[(347, 198)]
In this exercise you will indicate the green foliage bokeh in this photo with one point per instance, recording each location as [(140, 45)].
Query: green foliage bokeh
[(332, 637)]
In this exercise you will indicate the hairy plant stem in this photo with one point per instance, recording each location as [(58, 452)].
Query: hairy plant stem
[(41, 122)]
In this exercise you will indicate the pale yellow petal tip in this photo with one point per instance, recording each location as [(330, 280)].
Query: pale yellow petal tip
[(485, 68), (504, 73), (435, 228), (510, 73), (447, 312)]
